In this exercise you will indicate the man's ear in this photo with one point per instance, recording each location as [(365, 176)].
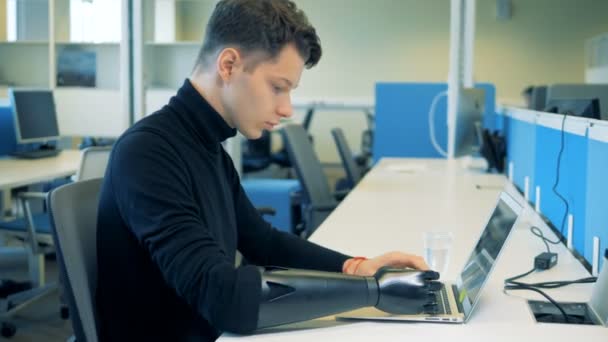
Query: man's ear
[(228, 61)]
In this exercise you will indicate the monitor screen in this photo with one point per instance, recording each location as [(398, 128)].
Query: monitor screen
[(469, 116), (581, 91), (35, 117), (486, 251)]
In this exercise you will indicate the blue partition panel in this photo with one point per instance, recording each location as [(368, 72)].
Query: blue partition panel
[(521, 151), (572, 184), (8, 143), (597, 192), (402, 121), (274, 193)]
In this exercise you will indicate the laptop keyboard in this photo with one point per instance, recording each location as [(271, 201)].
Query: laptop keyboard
[(443, 305)]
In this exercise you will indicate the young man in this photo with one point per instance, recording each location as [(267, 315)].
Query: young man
[(172, 212)]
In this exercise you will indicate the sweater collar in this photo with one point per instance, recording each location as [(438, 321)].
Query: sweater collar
[(204, 120)]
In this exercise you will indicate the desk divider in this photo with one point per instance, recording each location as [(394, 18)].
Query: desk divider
[(533, 145)]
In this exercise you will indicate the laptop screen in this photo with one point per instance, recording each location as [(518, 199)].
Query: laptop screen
[(486, 251)]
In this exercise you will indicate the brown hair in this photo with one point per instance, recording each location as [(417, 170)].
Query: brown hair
[(264, 26)]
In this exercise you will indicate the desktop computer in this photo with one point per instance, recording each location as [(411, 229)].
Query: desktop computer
[(35, 123), (469, 117), (581, 91)]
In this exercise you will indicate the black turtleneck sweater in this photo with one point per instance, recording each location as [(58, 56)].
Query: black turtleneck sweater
[(172, 214)]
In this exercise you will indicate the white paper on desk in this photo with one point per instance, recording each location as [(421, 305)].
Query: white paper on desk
[(406, 168)]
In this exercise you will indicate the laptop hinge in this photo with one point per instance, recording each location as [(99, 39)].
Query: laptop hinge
[(457, 298)]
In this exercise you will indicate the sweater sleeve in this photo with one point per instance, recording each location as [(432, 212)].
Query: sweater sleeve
[(264, 245), (153, 193)]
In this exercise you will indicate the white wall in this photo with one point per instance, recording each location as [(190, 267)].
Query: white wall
[(408, 40)]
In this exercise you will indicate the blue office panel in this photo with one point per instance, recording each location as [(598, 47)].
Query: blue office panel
[(275, 193), (8, 142), (402, 122), (572, 179), (597, 193), (521, 151)]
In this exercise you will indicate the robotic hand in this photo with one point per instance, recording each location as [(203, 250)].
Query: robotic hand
[(407, 291), (292, 295)]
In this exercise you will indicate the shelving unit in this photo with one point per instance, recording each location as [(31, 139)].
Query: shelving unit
[(169, 52), (98, 110)]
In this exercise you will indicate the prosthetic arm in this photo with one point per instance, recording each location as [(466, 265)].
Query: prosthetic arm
[(292, 295)]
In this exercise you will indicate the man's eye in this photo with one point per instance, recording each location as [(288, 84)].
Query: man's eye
[(277, 89)]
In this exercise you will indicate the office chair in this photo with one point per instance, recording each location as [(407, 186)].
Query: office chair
[(353, 173), (73, 211), (35, 231), (257, 154), (318, 200)]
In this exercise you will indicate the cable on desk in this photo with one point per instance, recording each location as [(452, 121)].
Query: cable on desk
[(536, 231), (512, 284), (559, 161), (542, 293)]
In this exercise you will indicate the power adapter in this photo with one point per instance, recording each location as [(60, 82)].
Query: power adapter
[(545, 261)]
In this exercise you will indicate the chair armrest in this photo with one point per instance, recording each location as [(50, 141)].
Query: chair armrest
[(323, 207), (266, 211), (32, 195)]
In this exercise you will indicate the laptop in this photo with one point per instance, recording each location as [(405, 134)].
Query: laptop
[(457, 300)]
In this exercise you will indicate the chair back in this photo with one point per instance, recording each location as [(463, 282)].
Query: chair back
[(93, 162), (73, 211), (353, 174)]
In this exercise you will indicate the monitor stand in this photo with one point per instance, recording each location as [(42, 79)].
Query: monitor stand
[(43, 151)]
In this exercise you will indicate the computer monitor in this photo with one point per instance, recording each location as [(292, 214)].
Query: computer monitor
[(34, 115), (581, 91), (588, 108), (469, 116), (538, 98)]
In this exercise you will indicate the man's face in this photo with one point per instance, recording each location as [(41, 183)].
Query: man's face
[(257, 99)]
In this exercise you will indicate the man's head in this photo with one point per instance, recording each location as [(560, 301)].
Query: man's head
[(254, 53)]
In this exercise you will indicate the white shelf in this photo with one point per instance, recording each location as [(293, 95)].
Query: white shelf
[(90, 111), (100, 44), (24, 43), (174, 44)]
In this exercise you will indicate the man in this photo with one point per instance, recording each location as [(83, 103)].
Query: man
[(172, 212)]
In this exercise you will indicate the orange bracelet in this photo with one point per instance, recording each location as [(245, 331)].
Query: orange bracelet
[(348, 263)]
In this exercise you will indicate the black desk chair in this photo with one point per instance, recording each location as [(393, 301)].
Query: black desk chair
[(353, 171), (258, 155), (318, 199)]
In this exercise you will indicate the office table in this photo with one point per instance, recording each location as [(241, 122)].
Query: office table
[(393, 205), (16, 172), (20, 172)]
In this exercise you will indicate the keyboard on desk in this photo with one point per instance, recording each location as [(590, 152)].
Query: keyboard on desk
[(443, 305), (35, 154)]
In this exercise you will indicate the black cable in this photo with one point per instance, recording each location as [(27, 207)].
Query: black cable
[(512, 284), (555, 283), (542, 293), (559, 161), (512, 279), (536, 231)]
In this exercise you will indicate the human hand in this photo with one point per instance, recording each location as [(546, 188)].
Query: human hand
[(369, 267)]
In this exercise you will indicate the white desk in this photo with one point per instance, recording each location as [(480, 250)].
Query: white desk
[(390, 209), (16, 172)]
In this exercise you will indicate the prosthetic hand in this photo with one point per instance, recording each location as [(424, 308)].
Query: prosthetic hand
[(291, 295)]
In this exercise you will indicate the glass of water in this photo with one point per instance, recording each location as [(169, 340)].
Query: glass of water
[(437, 247)]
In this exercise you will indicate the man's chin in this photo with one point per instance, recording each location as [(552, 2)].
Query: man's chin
[(253, 134)]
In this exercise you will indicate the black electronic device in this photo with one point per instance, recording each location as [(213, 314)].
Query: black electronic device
[(545, 261), (35, 121), (588, 108)]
